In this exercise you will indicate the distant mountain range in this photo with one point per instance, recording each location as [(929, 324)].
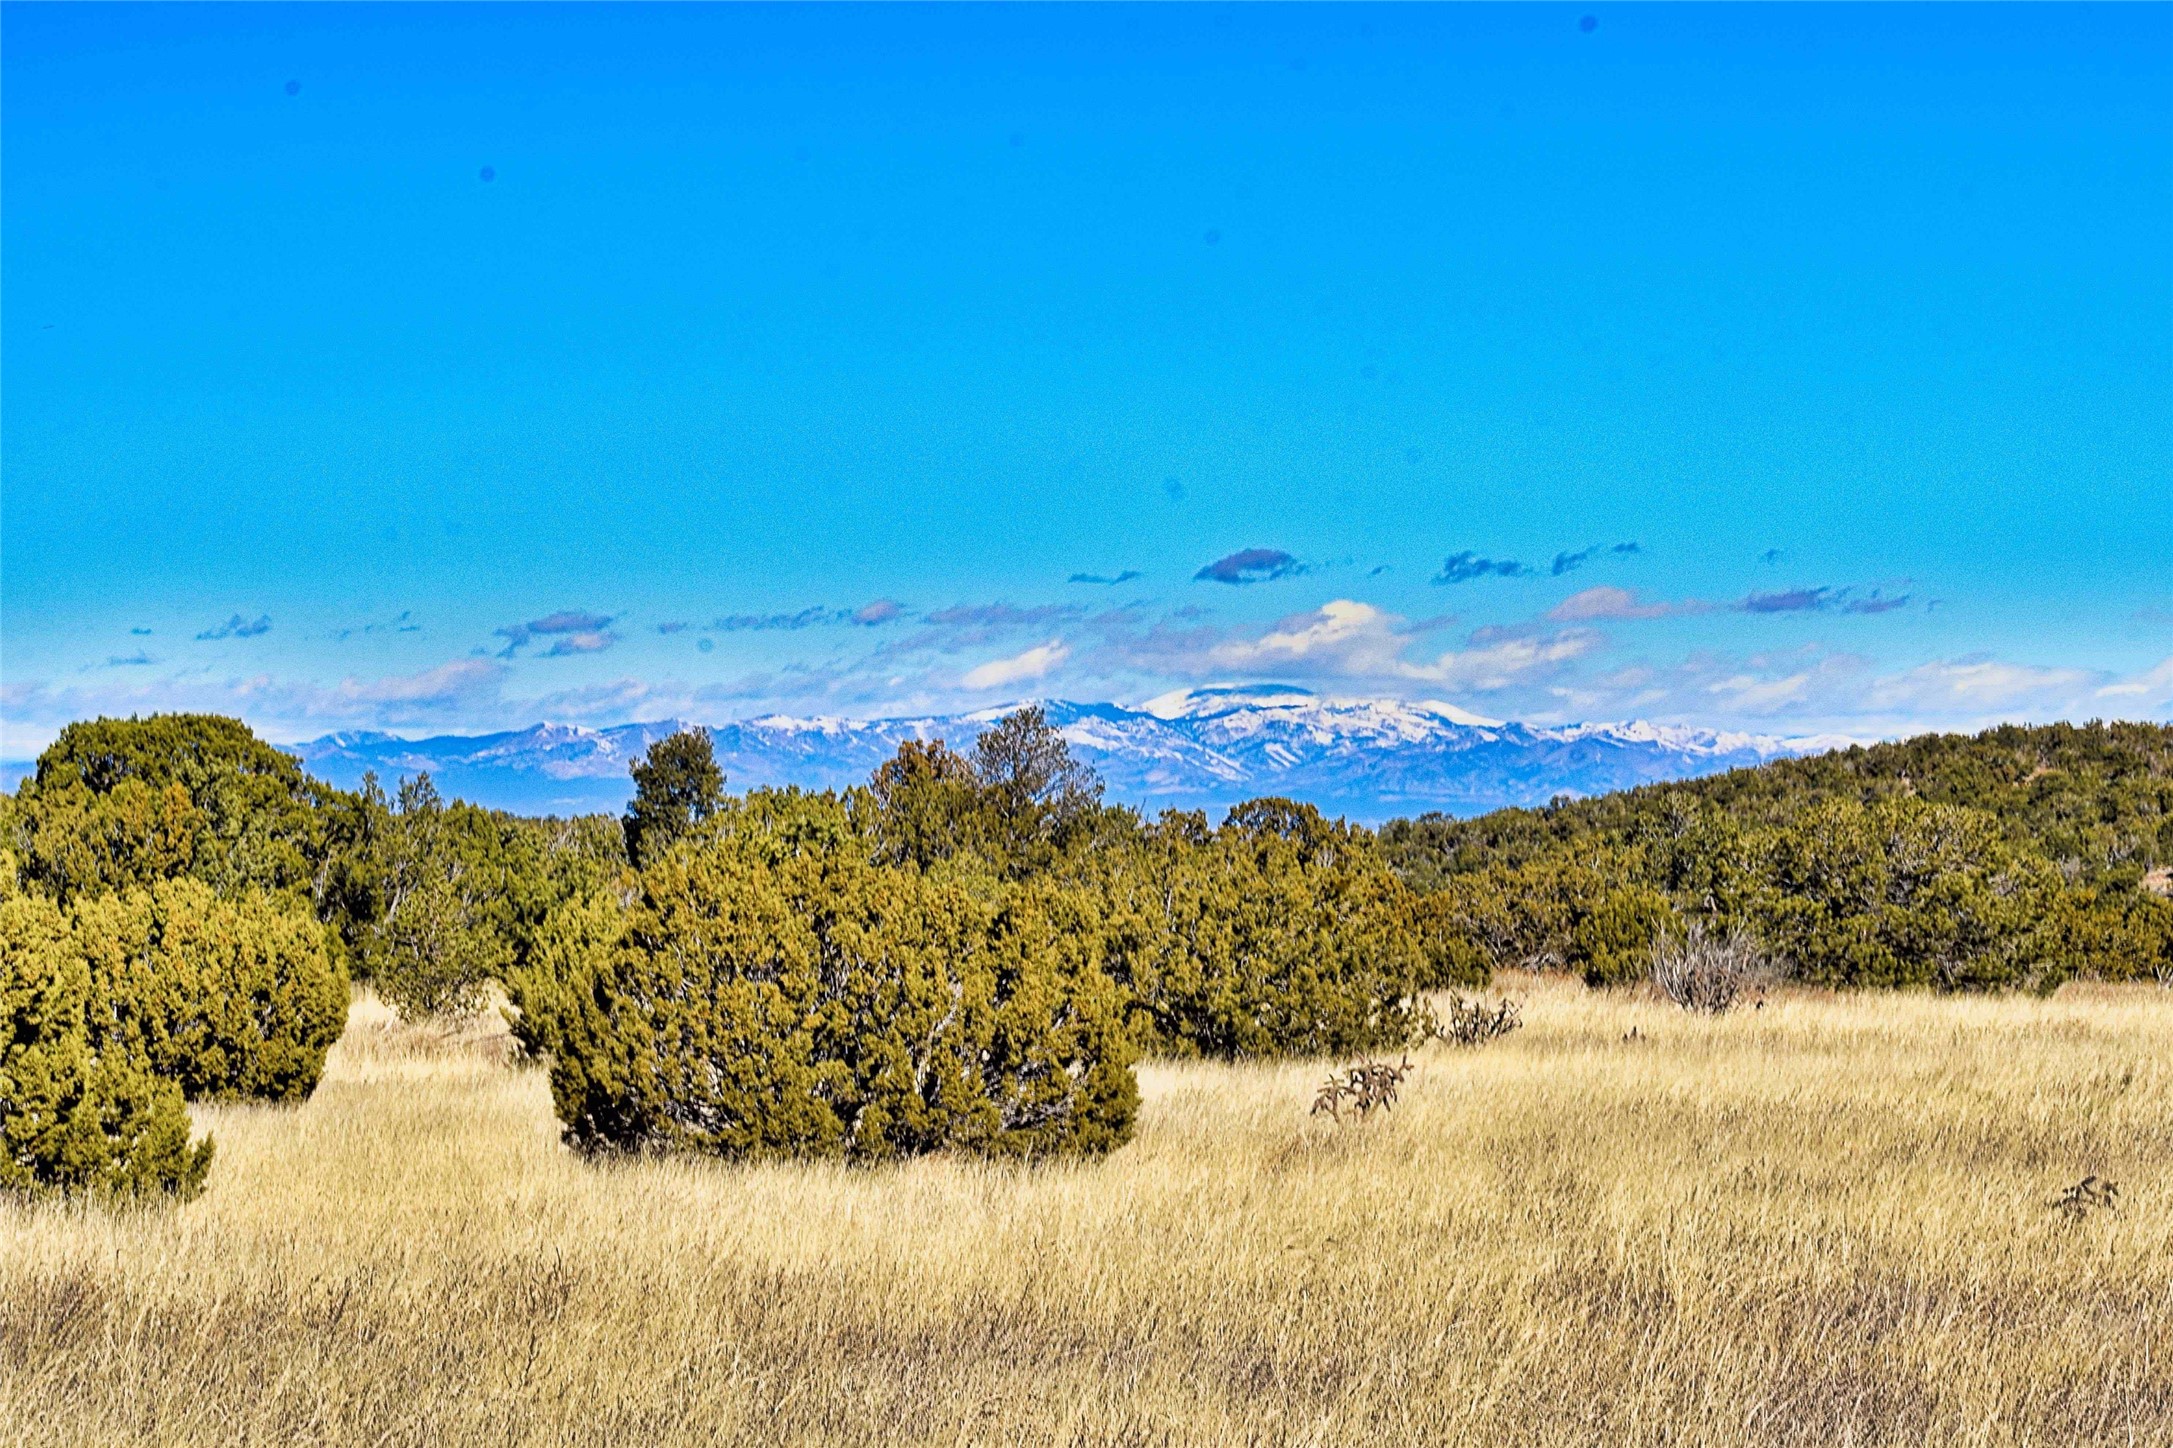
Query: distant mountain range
[(1202, 748)]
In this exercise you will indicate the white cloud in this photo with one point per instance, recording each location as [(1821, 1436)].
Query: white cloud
[(458, 682), (461, 693), (1607, 601), (1032, 664), (1348, 639), (1343, 635), (1499, 665), (1974, 684), (1747, 691), (2153, 683)]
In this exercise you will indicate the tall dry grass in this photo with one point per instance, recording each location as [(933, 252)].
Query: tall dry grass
[(1828, 1221)]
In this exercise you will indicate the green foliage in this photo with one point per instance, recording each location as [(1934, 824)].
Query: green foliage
[(442, 876), (1280, 933), (553, 990), (124, 802), (74, 1116), (1577, 911), (76, 841), (771, 990), (2095, 799), (2012, 859), (1903, 893), (925, 805), (677, 785), (1020, 804), (1039, 802), (486, 882), (1611, 943), (227, 996)]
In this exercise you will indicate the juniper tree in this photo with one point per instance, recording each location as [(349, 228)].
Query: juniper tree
[(677, 785)]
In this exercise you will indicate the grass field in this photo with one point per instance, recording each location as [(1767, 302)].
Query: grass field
[(1828, 1221)]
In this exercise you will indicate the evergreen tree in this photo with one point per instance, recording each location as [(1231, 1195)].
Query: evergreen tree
[(677, 785)]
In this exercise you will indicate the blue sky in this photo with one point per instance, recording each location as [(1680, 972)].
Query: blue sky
[(437, 368)]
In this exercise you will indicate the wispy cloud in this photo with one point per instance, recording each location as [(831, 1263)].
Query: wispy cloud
[(1793, 600), (461, 693), (773, 622), (450, 686), (592, 642), (1608, 602), (1749, 693), (1001, 615), (1106, 578), (867, 615), (1348, 639), (1466, 566), (970, 626), (1814, 600), (2155, 684), (402, 622), (575, 632), (1976, 683), (238, 627), (672, 628), (1032, 664), (1250, 565), (1571, 562), (138, 659)]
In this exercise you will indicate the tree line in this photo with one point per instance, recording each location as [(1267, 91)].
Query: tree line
[(2020, 857), (969, 951)]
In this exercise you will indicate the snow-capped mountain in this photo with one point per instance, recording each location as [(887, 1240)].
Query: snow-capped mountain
[(1202, 748)]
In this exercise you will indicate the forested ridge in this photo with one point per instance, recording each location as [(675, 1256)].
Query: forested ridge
[(969, 951), (2020, 856), (2098, 798)]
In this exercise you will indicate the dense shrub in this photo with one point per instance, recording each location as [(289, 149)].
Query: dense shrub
[(122, 802), (1905, 893), (442, 880), (770, 990), (227, 996), (1612, 943), (76, 1114), (1019, 804), (1580, 912), (434, 899), (1280, 933)]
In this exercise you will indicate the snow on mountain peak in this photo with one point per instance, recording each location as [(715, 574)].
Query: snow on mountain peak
[(1192, 748)]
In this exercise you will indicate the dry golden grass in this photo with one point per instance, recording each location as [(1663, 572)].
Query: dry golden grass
[(1824, 1222)]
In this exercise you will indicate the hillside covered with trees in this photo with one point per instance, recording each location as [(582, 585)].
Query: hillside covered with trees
[(2022, 856), (969, 951)]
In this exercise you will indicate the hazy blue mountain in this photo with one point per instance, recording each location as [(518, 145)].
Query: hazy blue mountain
[(1203, 748)]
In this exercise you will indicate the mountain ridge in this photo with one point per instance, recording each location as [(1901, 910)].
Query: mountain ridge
[(1204, 748)]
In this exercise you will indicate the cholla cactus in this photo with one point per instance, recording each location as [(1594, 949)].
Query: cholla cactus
[(1366, 1087), (1474, 1023), (2086, 1196)]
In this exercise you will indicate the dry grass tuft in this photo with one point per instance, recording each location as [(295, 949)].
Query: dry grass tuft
[(1819, 1223)]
